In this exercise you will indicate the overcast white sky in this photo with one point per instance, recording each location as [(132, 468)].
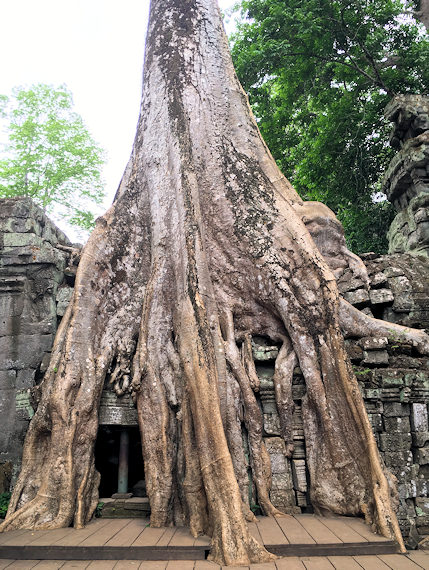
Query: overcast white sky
[(96, 48)]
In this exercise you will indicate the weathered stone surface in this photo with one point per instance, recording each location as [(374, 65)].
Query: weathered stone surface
[(299, 475), (406, 181), (282, 493), (380, 296), (272, 424), (420, 438), (422, 506), (7, 379), (7, 414), (376, 421), (24, 409), (263, 351), (395, 442), (419, 417), (63, 298), (373, 343), (377, 280), (400, 461), (357, 298), (422, 455), (396, 409), (117, 411), (31, 269), (375, 357), (396, 424)]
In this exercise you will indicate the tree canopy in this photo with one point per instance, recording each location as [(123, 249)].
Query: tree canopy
[(50, 154), (319, 74)]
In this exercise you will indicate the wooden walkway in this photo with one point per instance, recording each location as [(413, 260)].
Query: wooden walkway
[(308, 542), (412, 561)]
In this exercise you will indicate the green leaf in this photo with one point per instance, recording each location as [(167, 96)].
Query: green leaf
[(50, 155)]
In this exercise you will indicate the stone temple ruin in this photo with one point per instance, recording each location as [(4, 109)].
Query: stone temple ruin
[(37, 268), (406, 182)]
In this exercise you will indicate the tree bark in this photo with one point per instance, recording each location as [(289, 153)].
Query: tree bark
[(203, 247)]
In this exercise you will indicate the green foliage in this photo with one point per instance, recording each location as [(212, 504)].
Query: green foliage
[(99, 509), (319, 74), (4, 503), (50, 155)]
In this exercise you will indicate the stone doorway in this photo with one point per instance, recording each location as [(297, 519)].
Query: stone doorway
[(118, 459)]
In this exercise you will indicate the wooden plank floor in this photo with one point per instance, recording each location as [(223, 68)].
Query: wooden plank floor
[(297, 529), (412, 561), (114, 539)]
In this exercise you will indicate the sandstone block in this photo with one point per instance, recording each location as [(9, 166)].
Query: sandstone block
[(277, 449), (379, 296), (7, 415), (422, 456), (64, 295), (407, 490), (420, 438), (372, 393), (373, 343), (422, 506), (392, 409), (392, 378), (419, 417), (399, 459), (25, 378), (272, 424), (378, 279), (393, 271), (358, 298), (376, 421), (7, 379), (422, 487), (25, 349), (299, 475), (301, 499), (375, 357), (397, 424), (395, 442)]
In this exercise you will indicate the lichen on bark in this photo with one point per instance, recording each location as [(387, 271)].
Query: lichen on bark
[(205, 246)]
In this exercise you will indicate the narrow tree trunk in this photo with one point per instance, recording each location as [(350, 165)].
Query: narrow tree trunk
[(203, 247)]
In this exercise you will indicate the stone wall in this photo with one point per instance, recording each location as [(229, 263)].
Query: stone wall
[(34, 290), (394, 381), (35, 285)]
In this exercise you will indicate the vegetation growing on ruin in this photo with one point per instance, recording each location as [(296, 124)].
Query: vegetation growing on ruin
[(319, 74)]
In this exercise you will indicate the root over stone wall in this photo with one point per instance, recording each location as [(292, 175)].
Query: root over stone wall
[(36, 277)]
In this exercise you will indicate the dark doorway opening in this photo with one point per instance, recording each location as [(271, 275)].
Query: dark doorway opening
[(107, 460)]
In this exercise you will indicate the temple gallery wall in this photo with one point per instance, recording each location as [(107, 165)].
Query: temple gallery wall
[(37, 268)]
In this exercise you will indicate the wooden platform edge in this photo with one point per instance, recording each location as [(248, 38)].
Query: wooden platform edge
[(102, 552), (35, 552), (342, 549)]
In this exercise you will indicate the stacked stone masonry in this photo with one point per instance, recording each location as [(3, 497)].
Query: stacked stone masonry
[(36, 273), (34, 291), (406, 181)]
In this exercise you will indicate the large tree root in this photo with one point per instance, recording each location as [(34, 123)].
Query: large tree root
[(354, 323), (234, 436), (260, 460), (283, 374)]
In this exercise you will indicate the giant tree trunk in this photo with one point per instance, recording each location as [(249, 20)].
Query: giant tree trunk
[(203, 247)]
